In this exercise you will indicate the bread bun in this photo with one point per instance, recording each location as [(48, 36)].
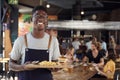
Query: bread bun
[(62, 59)]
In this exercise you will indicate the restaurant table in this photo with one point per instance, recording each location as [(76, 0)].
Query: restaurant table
[(77, 73), (4, 60), (3, 66)]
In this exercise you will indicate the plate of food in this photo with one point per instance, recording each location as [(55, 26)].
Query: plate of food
[(46, 64)]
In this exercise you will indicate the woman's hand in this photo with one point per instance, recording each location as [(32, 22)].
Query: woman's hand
[(97, 68)]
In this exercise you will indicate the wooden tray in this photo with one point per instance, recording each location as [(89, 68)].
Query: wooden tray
[(40, 66)]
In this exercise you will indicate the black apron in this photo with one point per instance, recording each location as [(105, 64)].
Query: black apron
[(36, 55)]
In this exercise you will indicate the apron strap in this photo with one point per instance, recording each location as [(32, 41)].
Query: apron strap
[(49, 41), (25, 37)]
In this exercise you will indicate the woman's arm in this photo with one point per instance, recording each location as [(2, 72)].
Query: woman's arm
[(101, 64), (106, 54), (108, 73), (72, 51), (100, 71)]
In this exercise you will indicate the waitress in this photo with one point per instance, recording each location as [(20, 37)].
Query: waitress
[(34, 46)]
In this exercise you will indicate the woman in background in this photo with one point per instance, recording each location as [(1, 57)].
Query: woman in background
[(109, 68), (95, 55), (112, 44), (70, 54)]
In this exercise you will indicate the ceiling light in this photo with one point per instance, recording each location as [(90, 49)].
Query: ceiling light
[(94, 16), (82, 12), (48, 5)]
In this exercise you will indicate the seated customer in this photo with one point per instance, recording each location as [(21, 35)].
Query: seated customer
[(80, 53), (109, 68), (95, 55), (71, 57), (70, 53)]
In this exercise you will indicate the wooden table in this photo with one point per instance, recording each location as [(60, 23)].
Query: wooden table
[(78, 73), (4, 60)]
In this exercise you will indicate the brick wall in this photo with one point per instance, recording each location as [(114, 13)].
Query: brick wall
[(115, 15)]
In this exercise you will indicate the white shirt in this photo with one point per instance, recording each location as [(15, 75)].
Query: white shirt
[(104, 46), (18, 51), (88, 44), (76, 44)]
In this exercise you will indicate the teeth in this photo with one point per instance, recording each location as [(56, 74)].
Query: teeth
[(40, 23)]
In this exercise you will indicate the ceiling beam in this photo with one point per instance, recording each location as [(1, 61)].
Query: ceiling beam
[(111, 1), (25, 5)]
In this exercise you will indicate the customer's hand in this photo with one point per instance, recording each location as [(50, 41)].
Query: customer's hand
[(97, 68)]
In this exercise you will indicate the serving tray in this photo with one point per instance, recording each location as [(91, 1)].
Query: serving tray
[(48, 66)]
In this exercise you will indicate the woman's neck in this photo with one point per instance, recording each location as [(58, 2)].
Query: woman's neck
[(95, 53)]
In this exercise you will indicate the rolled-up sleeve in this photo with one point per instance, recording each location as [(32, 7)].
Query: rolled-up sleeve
[(56, 50), (15, 53)]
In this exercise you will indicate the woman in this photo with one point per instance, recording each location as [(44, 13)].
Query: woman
[(112, 44), (70, 54), (95, 55), (109, 68)]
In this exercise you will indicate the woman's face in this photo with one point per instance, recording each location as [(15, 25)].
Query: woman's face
[(39, 20), (93, 47)]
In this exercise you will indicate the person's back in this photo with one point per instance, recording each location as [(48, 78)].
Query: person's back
[(64, 44), (109, 69), (76, 44), (104, 45), (88, 44)]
